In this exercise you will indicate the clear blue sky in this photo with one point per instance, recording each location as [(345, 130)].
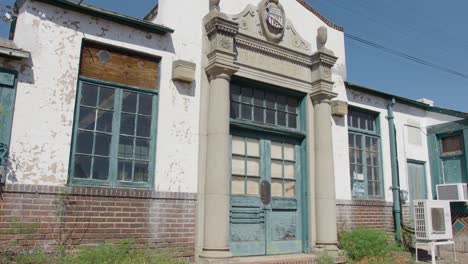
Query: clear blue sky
[(432, 30)]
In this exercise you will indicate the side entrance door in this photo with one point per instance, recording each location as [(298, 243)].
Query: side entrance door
[(417, 184), (266, 215)]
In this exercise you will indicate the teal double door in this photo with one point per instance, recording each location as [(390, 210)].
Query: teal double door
[(266, 185)]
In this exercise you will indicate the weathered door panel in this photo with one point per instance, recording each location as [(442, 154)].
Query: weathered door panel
[(284, 227), (7, 102), (247, 226)]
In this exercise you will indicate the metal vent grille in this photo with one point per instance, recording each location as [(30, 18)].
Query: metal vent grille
[(448, 192), (420, 221)]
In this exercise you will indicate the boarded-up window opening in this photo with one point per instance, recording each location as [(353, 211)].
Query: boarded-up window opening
[(123, 67), (451, 145)]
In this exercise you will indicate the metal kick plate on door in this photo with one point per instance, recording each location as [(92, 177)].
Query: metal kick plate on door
[(265, 192)]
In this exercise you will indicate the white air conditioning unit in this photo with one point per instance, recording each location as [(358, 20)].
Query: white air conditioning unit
[(432, 220), (452, 192)]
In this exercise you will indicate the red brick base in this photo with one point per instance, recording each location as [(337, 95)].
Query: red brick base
[(361, 213), (48, 216)]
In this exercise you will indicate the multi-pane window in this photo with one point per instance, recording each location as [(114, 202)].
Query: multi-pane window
[(245, 166), (364, 155), (283, 170), (279, 167), (113, 135), (115, 121), (263, 106)]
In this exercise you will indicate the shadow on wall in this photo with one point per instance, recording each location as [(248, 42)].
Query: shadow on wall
[(102, 28), (185, 88), (23, 67)]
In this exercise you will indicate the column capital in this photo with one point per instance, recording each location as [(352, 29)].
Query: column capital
[(221, 32), (217, 22), (319, 97), (322, 83)]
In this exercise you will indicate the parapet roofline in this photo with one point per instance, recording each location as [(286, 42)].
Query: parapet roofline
[(317, 13), (108, 15), (406, 101)]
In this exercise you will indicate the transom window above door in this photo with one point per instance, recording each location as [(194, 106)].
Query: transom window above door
[(261, 105)]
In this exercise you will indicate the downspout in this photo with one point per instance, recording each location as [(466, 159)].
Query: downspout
[(395, 185)]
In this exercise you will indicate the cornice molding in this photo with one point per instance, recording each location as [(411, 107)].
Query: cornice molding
[(266, 48)]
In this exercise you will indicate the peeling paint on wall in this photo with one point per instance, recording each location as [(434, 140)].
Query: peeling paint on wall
[(45, 103)]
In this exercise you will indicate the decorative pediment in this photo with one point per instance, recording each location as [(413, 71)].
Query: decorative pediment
[(268, 22)]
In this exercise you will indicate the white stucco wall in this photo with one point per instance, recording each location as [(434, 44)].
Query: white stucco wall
[(405, 116), (43, 123)]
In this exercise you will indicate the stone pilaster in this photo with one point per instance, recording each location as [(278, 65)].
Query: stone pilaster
[(220, 68), (325, 199)]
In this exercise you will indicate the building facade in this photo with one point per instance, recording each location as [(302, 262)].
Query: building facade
[(220, 128)]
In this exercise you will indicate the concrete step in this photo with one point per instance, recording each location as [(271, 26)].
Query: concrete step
[(278, 259), (274, 259)]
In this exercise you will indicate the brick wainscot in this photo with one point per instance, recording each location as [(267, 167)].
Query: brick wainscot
[(48, 216)]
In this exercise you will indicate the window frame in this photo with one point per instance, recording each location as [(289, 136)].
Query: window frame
[(265, 88), (112, 181), (376, 134)]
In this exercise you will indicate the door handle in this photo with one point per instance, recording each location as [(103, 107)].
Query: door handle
[(265, 192)]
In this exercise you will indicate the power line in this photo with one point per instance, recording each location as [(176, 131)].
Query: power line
[(407, 56)]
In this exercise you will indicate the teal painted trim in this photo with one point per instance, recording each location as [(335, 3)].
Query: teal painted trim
[(7, 103), (434, 163), (465, 141), (119, 85), (260, 128), (379, 131), (304, 121), (448, 127), (109, 15), (395, 182), (404, 100)]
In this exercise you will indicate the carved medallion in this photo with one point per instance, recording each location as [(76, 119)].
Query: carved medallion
[(274, 16), (273, 19)]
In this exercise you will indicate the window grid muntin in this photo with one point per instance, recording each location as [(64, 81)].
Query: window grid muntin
[(134, 160), (238, 102), (94, 131), (376, 181), (112, 180), (356, 116), (369, 177), (246, 157), (283, 161)]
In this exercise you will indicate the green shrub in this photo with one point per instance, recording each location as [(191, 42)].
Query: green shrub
[(366, 242), (325, 259)]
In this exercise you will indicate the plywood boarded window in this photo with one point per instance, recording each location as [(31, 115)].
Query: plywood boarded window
[(451, 145), (111, 64)]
